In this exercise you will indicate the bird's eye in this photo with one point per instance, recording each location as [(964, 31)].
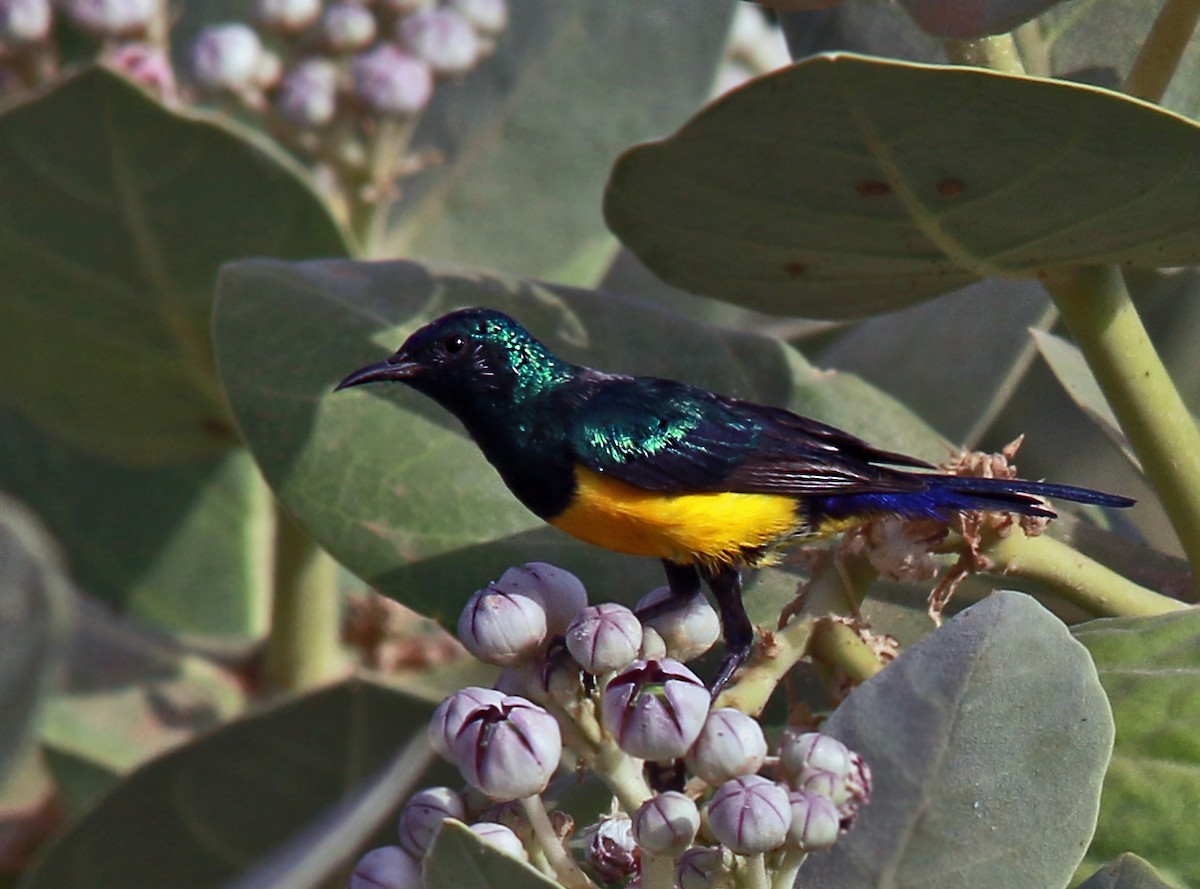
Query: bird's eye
[(453, 344)]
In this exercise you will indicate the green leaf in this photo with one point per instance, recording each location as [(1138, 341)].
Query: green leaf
[(1150, 668), (202, 815), (988, 741), (115, 212), (186, 547), (459, 859), (386, 480), (34, 619), (1126, 871), (528, 138), (1071, 369), (827, 190)]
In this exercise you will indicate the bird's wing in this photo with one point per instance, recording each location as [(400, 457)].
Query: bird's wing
[(666, 436)]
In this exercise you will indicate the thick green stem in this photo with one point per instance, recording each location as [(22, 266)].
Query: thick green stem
[(564, 865), (837, 645), (1162, 49), (304, 647), (1074, 577), (753, 873), (1104, 321), (757, 681), (789, 867), (998, 53), (623, 774), (1035, 51)]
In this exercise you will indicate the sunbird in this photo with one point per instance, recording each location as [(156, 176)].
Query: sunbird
[(654, 467)]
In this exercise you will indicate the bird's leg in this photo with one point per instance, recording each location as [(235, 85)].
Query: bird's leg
[(726, 584), (683, 581)]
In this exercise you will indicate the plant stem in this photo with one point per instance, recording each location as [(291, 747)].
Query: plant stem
[(753, 873), (789, 867), (998, 53), (1035, 52), (837, 645), (1074, 577), (757, 681), (1105, 324), (303, 648), (1162, 49), (623, 774), (564, 865)]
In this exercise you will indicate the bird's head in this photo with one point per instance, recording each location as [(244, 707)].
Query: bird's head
[(467, 357)]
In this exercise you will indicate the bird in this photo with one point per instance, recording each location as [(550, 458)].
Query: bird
[(707, 483)]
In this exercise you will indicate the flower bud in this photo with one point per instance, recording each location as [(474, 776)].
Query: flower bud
[(448, 719), (690, 628), (308, 95), (346, 27), (443, 38), (388, 867), (502, 838), (144, 64), (847, 793), (502, 628), (287, 16), (388, 81), (750, 815), (604, 637), (269, 70), (653, 647), (560, 593), (422, 817), (24, 21), (704, 867), (811, 750), (486, 16), (509, 750), (225, 57), (112, 18), (730, 744), (816, 822), (666, 823), (610, 848), (655, 709), (823, 764)]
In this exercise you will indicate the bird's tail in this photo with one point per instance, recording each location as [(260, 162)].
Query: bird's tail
[(947, 494)]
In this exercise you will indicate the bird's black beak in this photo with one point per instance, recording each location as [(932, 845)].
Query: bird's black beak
[(394, 368)]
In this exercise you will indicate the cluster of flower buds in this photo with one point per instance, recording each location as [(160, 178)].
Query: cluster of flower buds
[(594, 686)]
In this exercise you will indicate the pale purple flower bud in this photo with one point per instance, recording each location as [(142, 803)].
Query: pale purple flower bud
[(347, 27), (448, 719), (422, 817), (653, 647), (816, 821), (557, 590), (502, 838), (112, 18), (24, 21), (392, 82), (604, 637), (689, 629), (388, 867), (704, 867), (269, 70), (225, 57), (487, 16), (287, 16), (145, 64), (509, 750), (823, 764), (666, 823), (730, 744), (750, 814), (502, 628), (610, 848), (308, 95), (655, 709), (441, 37)]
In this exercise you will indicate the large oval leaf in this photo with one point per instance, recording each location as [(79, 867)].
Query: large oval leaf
[(1150, 668), (988, 740), (115, 212), (386, 480), (203, 814), (828, 189)]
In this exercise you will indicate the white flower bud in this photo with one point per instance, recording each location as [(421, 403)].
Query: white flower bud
[(389, 867), (508, 750), (557, 590), (666, 823), (112, 18), (487, 16), (689, 629), (653, 647), (655, 709), (443, 38), (704, 867), (750, 814), (448, 719), (225, 57), (347, 27), (816, 821), (308, 95), (604, 637), (389, 81), (423, 815), (502, 838), (730, 744), (501, 628), (24, 21), (287, 16)]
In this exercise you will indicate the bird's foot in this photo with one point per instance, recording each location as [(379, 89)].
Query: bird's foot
[(734, 658)]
